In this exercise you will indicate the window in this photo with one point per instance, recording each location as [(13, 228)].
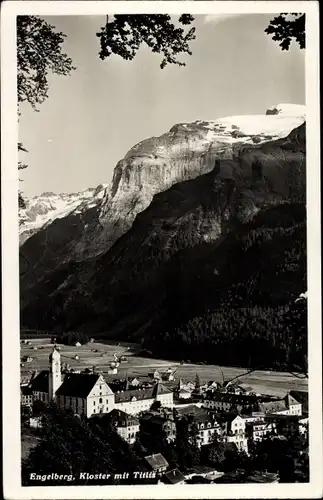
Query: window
[(93, 403), (100, 400), (100, 387), (94, 410), (107, 401)]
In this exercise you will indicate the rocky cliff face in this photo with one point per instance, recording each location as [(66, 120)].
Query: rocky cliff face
[(185, 152)]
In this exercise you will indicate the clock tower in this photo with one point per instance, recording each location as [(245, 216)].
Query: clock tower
[(55, 375)]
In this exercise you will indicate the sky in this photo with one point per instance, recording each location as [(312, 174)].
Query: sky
[(94, 116)]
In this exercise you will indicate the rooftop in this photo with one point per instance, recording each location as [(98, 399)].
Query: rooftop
[(229, 397), (40, 382), (123, 417), (25, 390), (77, 385), (156, 461), (141, 394), (272, 406), (174, 476)]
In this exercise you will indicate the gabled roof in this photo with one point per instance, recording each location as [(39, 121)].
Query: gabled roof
[(262, 477), (136, 394), (160, 389), (123, 417), (77, 385), (301, 397), (227, 417), (199, 414), (156, 461), (174, 476), (232, 398), (282, 417), (290, 400), (156, 419), (25, 390), (141, 394), (40, 382), (272, 406)]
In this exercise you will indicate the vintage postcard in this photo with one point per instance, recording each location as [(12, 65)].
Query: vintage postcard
[(161, 250)]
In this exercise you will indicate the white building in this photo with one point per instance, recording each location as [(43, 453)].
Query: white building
[(139, 400), (286, 406), (208, 427), (127, 426), (234, 430), (89, 394)]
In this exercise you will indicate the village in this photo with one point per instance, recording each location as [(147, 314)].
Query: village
[(227, 411)]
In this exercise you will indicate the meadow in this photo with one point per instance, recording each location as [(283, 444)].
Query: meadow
[(100, 355)]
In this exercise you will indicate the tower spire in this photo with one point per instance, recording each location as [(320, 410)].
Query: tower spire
[(55, 375)]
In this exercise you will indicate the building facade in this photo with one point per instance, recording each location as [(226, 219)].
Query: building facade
[(89, 394), (127, 426)]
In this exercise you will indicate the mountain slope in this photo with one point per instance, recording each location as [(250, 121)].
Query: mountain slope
[(46, 208), (149, 279), (77, 232)]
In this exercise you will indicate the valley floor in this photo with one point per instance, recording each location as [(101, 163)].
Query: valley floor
[(100, 355)]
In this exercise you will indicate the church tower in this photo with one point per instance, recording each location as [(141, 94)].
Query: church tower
[(55, 375)]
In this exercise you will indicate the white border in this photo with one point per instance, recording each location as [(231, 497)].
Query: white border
[(9, 174)]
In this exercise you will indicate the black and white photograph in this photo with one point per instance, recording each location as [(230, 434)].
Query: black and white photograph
[(162, 322)]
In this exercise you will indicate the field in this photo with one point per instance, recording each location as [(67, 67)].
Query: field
[(101, 354)]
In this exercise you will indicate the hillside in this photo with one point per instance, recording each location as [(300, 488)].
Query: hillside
[(58, 229), (227, 244)]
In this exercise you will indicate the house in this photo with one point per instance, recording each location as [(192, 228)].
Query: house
[(181, 392), (156, 463), (259, 429), (284, 425), (234, 430), (134, 382), (152, 423), (184, 394), (77, 344), (285, 406), (212, 385), (174, 477), (207, 425), (26, 395), (127, 426), (27, 359), (187, 386), (302, 398), (303, 426), (40, 386), (254, 416), (155, 375)]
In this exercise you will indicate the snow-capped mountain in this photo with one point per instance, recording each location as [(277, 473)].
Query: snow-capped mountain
[(59, 229), (185, 152), (44, 209)]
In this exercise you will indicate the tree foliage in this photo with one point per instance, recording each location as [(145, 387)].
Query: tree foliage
[(70, 444), (39, 51), (124, 35), (286, 27)]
